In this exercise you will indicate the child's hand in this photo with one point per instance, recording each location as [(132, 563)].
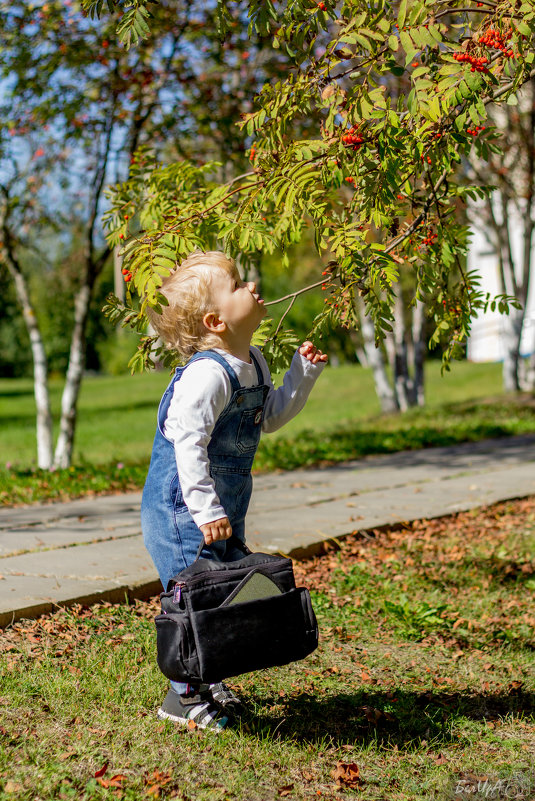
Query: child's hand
[(216, 530), (310, 352)]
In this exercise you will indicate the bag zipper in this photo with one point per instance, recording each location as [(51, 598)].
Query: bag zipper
[(178, 592)]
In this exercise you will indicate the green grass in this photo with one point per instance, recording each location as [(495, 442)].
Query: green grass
[(340, 421), (117, 414), (423, 681)]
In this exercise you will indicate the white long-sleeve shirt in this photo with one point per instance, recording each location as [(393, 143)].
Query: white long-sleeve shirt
[(199, 398)]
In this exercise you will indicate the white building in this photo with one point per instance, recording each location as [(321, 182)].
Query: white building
[(486, 340)]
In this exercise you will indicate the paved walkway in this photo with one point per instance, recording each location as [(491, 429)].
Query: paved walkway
[(91, 549)]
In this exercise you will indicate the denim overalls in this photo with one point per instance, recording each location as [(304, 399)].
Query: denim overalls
[(169, 532)]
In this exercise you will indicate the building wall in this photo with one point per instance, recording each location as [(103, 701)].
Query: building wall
[(486, 339)]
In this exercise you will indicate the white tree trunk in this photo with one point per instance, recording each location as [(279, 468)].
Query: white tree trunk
[(400, 367), (418, 353), (40, 371), (69, 400), (512, 334), (376, 361)]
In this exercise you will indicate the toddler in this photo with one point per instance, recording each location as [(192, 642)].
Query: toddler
[(209, 422)]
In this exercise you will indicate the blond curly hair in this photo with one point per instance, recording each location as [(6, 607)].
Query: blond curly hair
[(188, 291)]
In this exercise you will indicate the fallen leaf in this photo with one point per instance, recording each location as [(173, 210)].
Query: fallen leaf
[(159, 777), (286, 790), (192, 725), (101, 771), (117, 780), (347, 774), (12, 787)]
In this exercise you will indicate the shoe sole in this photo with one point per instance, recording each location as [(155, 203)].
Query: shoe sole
[(163, 715)]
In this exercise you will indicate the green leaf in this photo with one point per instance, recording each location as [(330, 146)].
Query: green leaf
[(402, 13)]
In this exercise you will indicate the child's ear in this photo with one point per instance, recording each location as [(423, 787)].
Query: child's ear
[(213, 322)]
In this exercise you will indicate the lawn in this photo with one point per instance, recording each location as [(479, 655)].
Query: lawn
[(422, 688), (116, 417), (340, 421)]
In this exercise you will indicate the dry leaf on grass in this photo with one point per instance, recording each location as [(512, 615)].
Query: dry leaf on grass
[(101, 771), (12, 787), (347, 774), (286, 790), (115, 781)]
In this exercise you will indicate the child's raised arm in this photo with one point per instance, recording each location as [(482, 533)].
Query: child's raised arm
[(285, 402)]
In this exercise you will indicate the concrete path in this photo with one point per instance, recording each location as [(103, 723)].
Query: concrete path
[(91, 549)]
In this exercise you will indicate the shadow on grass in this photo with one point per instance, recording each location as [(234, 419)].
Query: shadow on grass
[(88, 415), (395, 718), (16, 393)]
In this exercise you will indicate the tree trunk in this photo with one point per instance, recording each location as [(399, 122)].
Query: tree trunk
[(69, 399), (400, 365), (512, 334), (40, 370), (376, 361), (418, 353)]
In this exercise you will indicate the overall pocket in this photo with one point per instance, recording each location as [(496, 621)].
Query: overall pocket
[(248, 435), (177, 655)]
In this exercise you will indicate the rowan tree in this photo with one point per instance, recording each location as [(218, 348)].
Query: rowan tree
[(376, 178)]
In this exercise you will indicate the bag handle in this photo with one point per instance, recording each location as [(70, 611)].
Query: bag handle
[(233, 539)]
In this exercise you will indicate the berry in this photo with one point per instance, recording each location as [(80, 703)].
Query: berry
[(353, 138), (322, 6)]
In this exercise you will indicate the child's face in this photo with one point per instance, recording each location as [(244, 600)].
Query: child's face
[(238, 303)]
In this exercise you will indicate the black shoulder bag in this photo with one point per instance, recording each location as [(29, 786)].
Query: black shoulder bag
[(221, 619)]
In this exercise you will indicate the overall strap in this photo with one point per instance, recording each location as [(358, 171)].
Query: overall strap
[(258, 368), (211, 354)]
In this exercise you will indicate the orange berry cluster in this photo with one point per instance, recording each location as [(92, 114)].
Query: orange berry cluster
[(477, 62), (429, 239), (127, 274), (352, 138), (350, 180), (429, 159), (325, 273), (252, 154), (476, 130), (493, 38), (322, 6)]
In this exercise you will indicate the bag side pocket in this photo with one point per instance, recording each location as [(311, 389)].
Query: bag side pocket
[(176, 651), (248, 636)]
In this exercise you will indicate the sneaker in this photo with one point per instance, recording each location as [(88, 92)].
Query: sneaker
[(192, 709), (224, 697)]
